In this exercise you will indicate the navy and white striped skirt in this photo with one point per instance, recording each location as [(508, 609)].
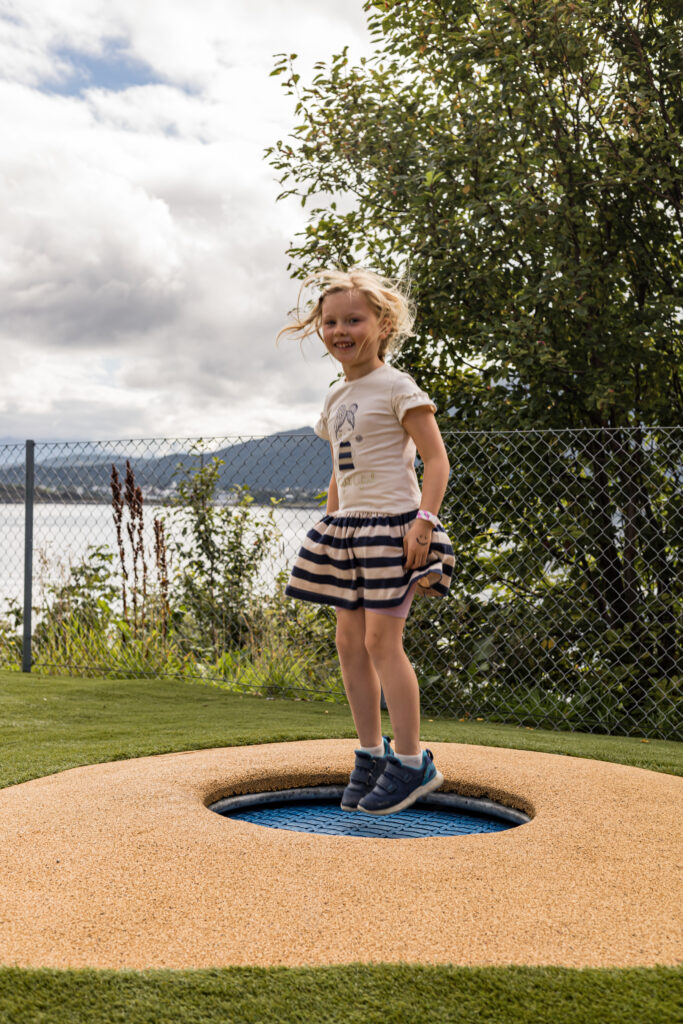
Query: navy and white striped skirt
[(356, 561)]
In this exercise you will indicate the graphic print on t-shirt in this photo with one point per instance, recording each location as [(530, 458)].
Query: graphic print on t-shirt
[(345, 416), (345, 419), (345, 457)]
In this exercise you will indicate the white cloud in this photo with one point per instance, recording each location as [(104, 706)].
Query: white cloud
[(142, 266)]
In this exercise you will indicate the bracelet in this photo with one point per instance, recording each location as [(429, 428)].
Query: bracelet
[(429, 516)]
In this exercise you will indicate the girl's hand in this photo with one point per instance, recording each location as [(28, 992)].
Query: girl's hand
[(416, 544)]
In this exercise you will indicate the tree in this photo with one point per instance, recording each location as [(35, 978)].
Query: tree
[(523, 161)]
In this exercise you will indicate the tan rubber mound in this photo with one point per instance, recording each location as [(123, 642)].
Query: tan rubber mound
[(122, 865)]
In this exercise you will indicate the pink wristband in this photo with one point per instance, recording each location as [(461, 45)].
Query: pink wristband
[(429, 516)]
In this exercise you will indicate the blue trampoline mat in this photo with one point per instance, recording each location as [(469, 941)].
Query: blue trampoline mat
[(325, 817)]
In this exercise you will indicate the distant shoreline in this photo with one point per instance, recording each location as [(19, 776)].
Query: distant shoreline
[(15, 496)]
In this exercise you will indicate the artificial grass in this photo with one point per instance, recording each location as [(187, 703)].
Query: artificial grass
[(355, 994), (50, 723)]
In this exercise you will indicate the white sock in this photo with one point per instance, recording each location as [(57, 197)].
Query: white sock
[(374, 751), (411, 760)]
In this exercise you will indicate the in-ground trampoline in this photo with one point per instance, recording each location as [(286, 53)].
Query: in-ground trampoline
[(124, 865), (316, 810)]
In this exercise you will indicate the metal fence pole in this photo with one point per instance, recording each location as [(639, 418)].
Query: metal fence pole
[(28, 554)]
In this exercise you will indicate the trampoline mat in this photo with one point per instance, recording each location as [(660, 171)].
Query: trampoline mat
[(320, 813)]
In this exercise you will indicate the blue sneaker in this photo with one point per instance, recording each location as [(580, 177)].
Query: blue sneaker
[(365, 774), (399, 785)]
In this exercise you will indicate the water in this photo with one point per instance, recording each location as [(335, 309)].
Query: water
[(62, 535)]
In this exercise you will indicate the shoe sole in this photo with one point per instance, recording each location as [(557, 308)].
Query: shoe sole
[(428, 787)]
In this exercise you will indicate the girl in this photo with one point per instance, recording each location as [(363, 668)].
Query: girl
[(381, 541)]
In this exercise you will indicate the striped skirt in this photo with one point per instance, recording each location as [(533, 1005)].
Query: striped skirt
[(356, 561)]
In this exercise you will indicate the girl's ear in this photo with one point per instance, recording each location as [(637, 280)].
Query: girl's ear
[(384, 335), (384, 327)]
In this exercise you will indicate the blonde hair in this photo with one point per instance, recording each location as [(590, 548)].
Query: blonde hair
[(388, 299)]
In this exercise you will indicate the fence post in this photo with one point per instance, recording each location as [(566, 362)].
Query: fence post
[(28, 555)]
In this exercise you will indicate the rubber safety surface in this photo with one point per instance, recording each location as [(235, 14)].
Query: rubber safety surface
[(124, 865)]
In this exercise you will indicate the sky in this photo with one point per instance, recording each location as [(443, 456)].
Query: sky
[(142, 253)]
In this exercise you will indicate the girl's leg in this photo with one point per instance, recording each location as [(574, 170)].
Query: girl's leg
[(384, 643), (360, 678)]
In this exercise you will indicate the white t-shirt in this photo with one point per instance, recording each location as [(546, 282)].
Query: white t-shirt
[(374, 457)]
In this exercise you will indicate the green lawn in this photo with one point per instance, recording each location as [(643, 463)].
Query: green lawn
[(49, 724), (357, 994)]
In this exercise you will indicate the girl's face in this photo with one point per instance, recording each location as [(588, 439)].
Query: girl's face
[(352, 332)]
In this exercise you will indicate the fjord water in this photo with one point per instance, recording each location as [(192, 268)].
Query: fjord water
[(62, 535)]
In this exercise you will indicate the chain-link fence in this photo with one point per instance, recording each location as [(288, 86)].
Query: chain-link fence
[(169, 557)]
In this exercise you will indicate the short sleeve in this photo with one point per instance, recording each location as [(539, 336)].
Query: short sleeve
[(321, 427), (407, 395)]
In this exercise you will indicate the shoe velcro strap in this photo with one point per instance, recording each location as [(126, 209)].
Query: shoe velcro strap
[(400, 771)]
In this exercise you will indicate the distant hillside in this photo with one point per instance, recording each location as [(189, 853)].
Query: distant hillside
[(292, 464)]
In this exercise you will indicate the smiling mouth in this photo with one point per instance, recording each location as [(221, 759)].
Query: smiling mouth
[(344, 344)]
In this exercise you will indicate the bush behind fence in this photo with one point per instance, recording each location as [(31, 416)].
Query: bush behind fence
[(169, 557)]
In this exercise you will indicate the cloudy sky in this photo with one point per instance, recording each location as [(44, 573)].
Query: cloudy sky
[(142, 254)]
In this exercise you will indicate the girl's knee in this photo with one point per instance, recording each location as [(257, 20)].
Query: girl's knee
[(349, 640), (383, 639)]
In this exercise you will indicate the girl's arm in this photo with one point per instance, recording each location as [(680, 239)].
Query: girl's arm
[(421, 425), (332, 493)]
